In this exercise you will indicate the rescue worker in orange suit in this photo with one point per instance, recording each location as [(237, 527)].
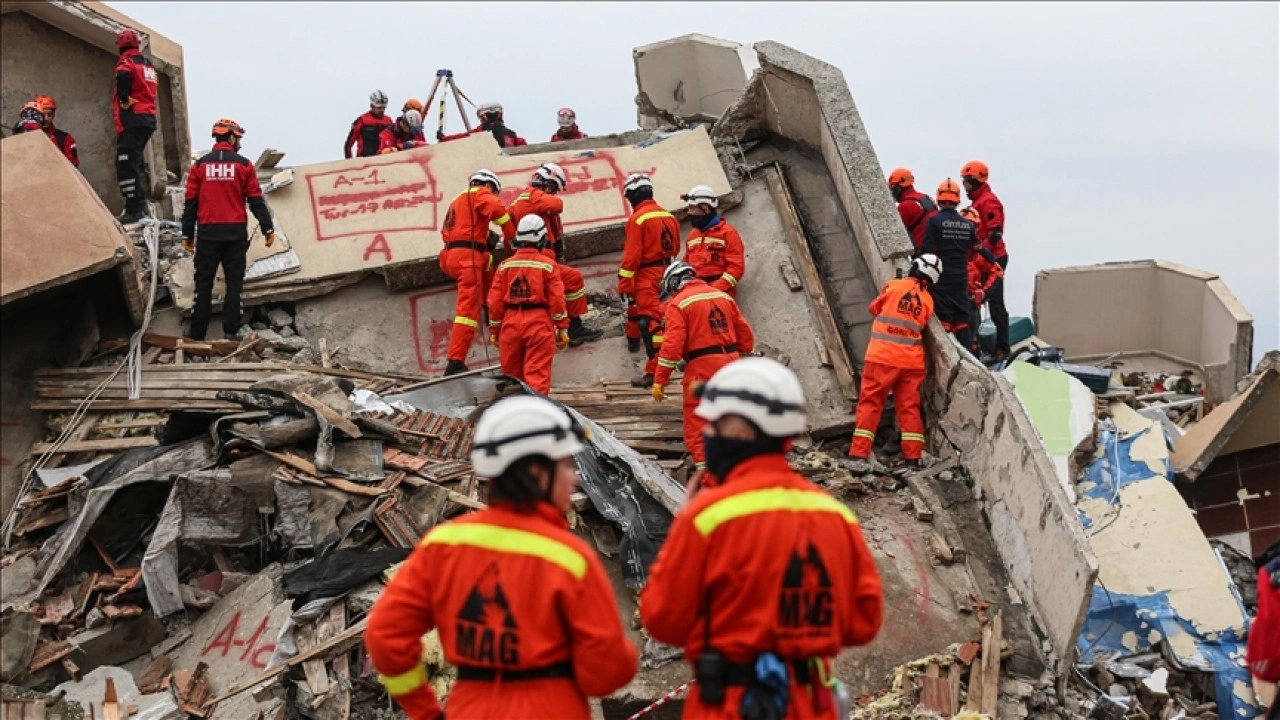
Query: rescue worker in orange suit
[(983, 273), (523, 607), (952, 238), (645, 379), (713, 247), (762, 573), (1263, 648), (914, 207), (540, 199), (219, 185), (61, 138), (651, 243), (367, 128), (405, 134), (895, 361), (134, 106), (991, 233), (491, 121), (703, 328), (467, 258), (567, 121), (527, 319)]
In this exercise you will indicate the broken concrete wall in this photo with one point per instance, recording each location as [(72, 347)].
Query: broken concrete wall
[(1147, 312), (693, 76)]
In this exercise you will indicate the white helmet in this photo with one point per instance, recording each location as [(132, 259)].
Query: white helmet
[(489, 108), (701, 195), (486, 176), (675, 276), (929, 266), (551, 173), (759, 389), (520, 426), (566, 117), (377, 98), (413, 119), (635, 181), (531, 232)]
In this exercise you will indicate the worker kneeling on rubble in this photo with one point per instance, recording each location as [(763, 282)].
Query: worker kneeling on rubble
[(527, 318), (764, 578), (523, 606)]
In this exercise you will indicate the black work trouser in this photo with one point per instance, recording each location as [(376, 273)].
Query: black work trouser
[(999, 315), (129, 147), (219, 245)]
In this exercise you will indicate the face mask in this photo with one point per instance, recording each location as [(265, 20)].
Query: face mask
[(724, 454), (702, 222)]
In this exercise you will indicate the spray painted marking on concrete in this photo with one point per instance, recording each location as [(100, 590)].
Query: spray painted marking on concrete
[(225, 640), (597, 173), (386, 198)]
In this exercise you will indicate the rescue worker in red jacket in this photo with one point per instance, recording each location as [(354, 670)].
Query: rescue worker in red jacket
[(61, 138), (568, 129), (650, 245), (367, 128), (1263, 651), (491, 121), (466, 258), (133, 103), (405, 134), (983, 273), (523, 607), (991, 233), (895, 361), (914, 207), (762, 570), (219, 185), (527, 319), (713, 247), (704, 328), (541, 199), (953, 240)]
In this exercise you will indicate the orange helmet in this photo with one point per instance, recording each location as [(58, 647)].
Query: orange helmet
[(901, 177), (227, 126), (975, 169), (971, 215), (45, 103), (411, 104), (949, 191)]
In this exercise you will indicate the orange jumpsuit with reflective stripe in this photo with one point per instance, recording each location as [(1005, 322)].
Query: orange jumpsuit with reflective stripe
[(651, 365), (717, 254), (507, 591), (652, 240), (549, 207), (526, 306), (895, 361), (466, 259), (765, 562), (703, 327)]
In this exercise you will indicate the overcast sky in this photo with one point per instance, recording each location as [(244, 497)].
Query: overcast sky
[(1113, 131)]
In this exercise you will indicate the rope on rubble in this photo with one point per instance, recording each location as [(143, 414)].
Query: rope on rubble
[(677, 692)]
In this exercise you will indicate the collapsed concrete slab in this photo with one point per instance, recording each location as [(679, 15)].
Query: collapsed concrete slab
[(693, 77), (1247, 421), (1062, 410)]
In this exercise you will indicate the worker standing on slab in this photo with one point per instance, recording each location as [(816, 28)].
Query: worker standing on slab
[(914, 207), (366, 130), (991, 233), (704, 329), (527, 319), (219, 185), (61, 139), (650, 245), (491, 121), (713, 247), (983, 273), (763, 578), (405, 134), (567, 122), (134, 105), (952, 238), (540, 199), (895, 361), (523, 607), (467, 258)]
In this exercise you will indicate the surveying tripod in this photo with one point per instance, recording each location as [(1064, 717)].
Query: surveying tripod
[(445, 76)]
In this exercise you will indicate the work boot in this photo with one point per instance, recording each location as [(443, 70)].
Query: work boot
[(454, 367), (642, 381), (633, 344), (580, 333), (129, 217)]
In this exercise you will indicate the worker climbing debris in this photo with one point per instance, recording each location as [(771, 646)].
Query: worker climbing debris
[(952, 238), (468, 260), (523, 606), (649, 246), (713, 247), (895, 362), (704, 329), (763, 577), (134, 105), (567, 126), (527, 319), (62, 139), (366, 130), (491, 121), (404, 134), (991, 234), (914, 207)]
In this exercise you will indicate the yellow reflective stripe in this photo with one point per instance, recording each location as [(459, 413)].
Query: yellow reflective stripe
[(460, 320), (668, 363), (495, 323), (559, 317), (474, 188), (511, 541), (626, 273), (756, 502), (655, 214), (730, 279), (703, 296), (575, 295), (523, 196), (657, 339), (405, 683), (699, 465), (706, 241), (529, 264), (913, 436), (506, 218), (869, 434)]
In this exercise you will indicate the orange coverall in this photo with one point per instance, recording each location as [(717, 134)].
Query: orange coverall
[(508, 591), (895, 361), (704, 328), (716, 253), (526, 307), (651, 365), (549, 207), (466, 259), (652, 236), (765, 562)]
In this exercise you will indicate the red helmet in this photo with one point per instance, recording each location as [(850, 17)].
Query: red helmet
[(45, 103), (128, 38)]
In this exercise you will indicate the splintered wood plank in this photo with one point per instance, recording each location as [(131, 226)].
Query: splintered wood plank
[(97, 445)]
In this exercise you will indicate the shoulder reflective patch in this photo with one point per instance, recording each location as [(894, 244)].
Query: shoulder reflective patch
[(703, 296), (651, 215), (511, 541), (768, 500)]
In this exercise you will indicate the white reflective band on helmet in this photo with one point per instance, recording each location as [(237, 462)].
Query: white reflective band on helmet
[(759, 389), (635, 181), (551, 172), (486, 176), (521, 426), (377, 98), (531, 230), (701, 195), (672, 276), (566, 117), (929, 265), (489, 108)]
